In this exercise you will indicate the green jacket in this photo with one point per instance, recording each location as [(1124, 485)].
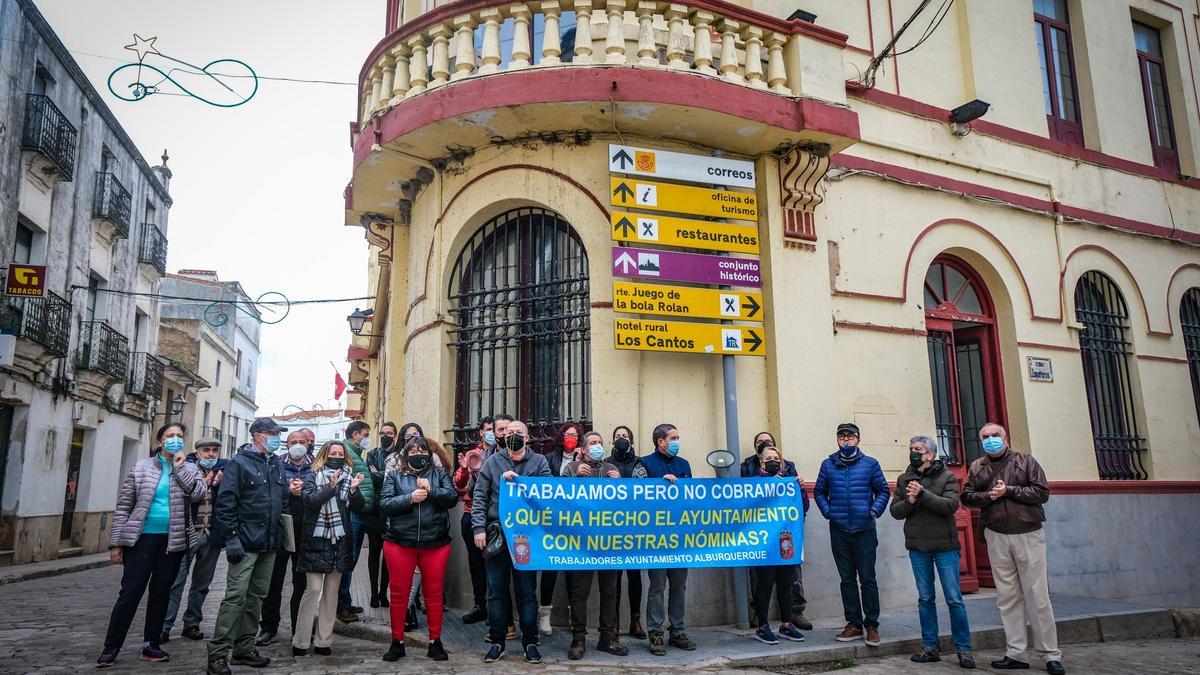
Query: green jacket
[(929, 524), (356, 458)]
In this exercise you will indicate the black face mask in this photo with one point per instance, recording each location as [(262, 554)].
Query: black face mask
[(622, 448), (916, 459), (514, 442), (761, 445), (310, 447), (385, 442), (335, 464), (418, 462), (772, 467)]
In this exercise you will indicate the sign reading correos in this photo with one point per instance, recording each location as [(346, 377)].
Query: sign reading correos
[(700, 303), (645, 229), (680, 166), (696, 201), (641, 263), (681, 336)]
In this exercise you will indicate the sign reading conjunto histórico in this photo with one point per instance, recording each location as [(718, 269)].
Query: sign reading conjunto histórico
[(595, 523)]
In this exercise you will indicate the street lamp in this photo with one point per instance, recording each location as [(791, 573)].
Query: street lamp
[(358, 318), (177, 405)]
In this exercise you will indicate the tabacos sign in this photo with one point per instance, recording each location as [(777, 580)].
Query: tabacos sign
[(26, 281)]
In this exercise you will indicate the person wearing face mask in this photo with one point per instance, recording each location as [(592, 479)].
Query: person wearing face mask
[(469, 464), (394, 462), (416, 502), (666, 463), (324, 545), (591, 464), (254, 496), (517, 461), (377, 463), (310, 439), (852, 493), (151, 530), (358, 444), (1009, 488), (624, 457), (777, 578), (297, 463), (210, 539), (926, 500)]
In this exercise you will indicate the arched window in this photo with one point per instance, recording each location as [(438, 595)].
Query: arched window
[(1105, 347), (519, 293), (1189, 320)]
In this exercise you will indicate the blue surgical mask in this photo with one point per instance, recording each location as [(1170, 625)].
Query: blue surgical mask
[(993, 445), (273, 443), (596, 452), (208, 463), (673, 448), (173, 445), (847, 450), (489, 437)]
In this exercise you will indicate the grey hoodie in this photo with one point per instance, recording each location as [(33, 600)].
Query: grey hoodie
[(486, 506)]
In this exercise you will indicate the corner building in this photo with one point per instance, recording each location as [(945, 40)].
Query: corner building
[(1037, 266)]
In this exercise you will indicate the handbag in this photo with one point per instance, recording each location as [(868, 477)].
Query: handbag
[(495, 544)]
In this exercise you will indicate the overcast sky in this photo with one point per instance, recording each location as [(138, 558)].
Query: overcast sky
[(257, 188)]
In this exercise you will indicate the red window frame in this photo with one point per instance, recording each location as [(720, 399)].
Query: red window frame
[(1061, 129), (1165, 156)]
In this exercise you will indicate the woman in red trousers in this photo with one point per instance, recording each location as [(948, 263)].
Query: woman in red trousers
[(415, 504)]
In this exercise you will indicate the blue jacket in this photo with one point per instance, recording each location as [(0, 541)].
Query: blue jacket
[(851, 495), (658, 466)]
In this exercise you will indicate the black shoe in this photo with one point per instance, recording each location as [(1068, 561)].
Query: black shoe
[(251, 658), (192, 633), (322, 651), (532, 655), (219, 666), (395, 652), (383, 600), (682, 641), (107, 658), (494, 654), (264, 637), (926, 655), (577, 648), (436, 651), (154, 653), (296, 651), (375, 600), (1055, 668), (410, 618), (1010, 664), (476, 615), (164, 637)]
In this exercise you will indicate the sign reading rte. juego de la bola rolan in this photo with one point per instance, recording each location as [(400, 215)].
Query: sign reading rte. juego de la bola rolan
[(643, 523)]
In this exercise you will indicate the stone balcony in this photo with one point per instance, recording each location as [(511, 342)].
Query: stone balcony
[(475, 73)]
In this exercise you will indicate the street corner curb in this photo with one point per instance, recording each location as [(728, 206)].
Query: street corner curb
[(1187, 623), (1137, 626), (29, 575), (376, 632)]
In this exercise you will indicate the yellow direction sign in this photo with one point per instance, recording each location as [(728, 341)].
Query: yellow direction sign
[(641, 194), (643, 229), (680, 336), (700, 303)]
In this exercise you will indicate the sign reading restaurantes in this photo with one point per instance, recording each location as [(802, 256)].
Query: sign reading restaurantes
[(700, 303), (644, 229), (680, 166), (641, 263), (682, 336), (696, 201)]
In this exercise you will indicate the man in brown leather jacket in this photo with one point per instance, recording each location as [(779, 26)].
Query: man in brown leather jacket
[(1009, 488)]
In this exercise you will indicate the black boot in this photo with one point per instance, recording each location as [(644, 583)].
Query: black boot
[(476, 615), (395, 652), (436, 651), (410, 619)]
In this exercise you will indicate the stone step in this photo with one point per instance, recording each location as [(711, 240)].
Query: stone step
[(6, 558), (70, 552)]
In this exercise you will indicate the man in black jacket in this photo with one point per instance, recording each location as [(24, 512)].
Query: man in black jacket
[(251, 504)]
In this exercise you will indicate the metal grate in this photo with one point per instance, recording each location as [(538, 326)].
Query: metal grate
[(1189, 320), (113, 202), (145, 376), (942, 375), (49, 132), (45, 320), (153, 250), (103, 349), (1105, 347), (519, 294)]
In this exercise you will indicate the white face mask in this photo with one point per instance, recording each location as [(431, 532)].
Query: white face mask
[(365, 443), (297, 451)]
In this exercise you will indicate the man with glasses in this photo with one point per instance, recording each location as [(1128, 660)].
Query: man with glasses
[(852, 493), (1009, 489)]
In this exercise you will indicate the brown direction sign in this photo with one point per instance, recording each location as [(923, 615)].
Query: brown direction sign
[(27, 281)]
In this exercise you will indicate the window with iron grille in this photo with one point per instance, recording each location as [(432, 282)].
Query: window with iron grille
[(1105, 348), (1189, 320), (519, 294)]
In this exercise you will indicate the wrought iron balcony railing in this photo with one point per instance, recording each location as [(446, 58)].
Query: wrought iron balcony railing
[(213, 432), (154, 248), (49, 132), (146, 376), (45, 320), (103, 349), (113, 202)]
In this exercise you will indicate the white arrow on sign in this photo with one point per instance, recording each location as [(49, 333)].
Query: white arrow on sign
[(628, 159), (625, 262)]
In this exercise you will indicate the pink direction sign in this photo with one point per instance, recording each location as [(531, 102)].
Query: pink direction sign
[(642, 263)]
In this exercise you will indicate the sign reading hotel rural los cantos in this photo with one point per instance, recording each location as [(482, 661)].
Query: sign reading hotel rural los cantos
[(639, 523), (641, 263), (698, 303), (645, 229), (681, 336), (680, 166), (27, 281), (696, 201)]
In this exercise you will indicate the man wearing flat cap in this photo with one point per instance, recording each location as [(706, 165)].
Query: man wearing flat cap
[(250, 507)]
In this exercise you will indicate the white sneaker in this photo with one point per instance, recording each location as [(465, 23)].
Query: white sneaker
[(544, 620)]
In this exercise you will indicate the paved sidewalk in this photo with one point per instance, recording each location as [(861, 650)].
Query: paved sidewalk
[(14, 573)]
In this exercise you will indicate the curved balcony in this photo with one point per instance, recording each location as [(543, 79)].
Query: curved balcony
[(477, 72)]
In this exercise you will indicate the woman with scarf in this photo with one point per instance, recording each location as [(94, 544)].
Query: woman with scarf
[(151, 531), (377, 463), (416, 501), (325, 546), (777, 578), (625, 458)]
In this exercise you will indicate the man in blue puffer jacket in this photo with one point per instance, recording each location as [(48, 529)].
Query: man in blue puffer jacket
[(851, 493)]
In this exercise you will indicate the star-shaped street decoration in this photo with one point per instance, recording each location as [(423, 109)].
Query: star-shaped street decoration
[(142, 46)]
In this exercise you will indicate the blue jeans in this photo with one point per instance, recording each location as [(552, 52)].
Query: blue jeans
[(500, 576), (358, 528), (854, 555), (946, 563)]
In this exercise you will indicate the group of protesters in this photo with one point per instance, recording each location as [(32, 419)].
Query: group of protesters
[(283, 503)]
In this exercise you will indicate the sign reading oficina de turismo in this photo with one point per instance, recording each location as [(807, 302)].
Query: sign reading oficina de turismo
[(652, 524), (696, 201), (680, 166)]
